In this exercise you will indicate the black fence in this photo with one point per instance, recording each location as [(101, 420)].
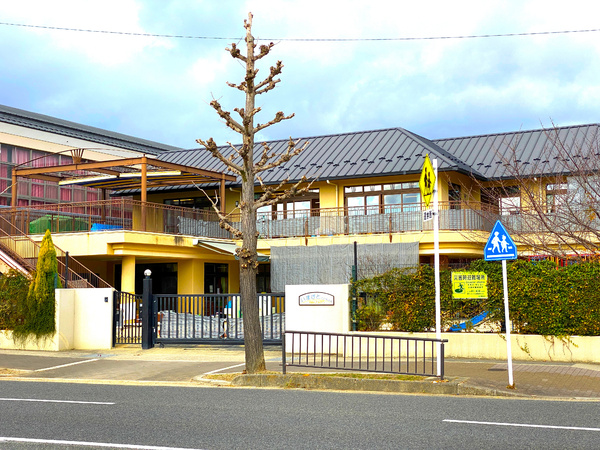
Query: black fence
[(127, 323), (215, 318), (363, 352)]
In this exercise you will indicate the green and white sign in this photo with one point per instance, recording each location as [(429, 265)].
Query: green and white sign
[(469, 285)]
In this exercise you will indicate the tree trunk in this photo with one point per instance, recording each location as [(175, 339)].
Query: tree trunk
[(253, 339)]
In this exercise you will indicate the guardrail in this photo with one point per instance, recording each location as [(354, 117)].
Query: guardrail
[(363, 352)]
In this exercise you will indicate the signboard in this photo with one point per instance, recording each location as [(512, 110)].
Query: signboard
[(427, 181), (428, 215), (469, 285), (316, 299), (500, 245)]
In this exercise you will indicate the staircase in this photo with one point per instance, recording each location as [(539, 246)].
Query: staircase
[(19, 251)]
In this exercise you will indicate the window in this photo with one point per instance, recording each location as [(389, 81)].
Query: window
[(375, 199), (294, 207), (201, 203), (454, 197), (505, 200), (556, 196)]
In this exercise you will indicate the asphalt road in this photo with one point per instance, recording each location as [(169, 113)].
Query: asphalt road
[(60, 415)]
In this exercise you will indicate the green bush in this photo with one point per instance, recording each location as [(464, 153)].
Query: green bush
[(39, 307), (13, 292), (369, 317), (543, 299)]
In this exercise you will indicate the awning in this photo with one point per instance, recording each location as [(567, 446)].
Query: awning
[(226, 248)]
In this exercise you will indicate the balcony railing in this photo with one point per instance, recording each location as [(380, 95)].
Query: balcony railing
[(126, 214)]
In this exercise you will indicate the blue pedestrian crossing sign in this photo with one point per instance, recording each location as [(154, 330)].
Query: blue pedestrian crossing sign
[(499, 245)]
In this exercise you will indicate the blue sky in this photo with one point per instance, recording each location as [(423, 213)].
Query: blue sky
[(160, 88)]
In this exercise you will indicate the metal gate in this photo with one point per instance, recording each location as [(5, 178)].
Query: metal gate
[(127, 322), (214, 318)]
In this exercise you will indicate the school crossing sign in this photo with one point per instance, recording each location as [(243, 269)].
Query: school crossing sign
[(500, 245)]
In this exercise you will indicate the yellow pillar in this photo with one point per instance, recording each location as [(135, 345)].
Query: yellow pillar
[(128, 274), (190, 276), (234, 276)]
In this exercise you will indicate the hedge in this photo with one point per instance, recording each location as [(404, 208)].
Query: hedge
[(544, 299)]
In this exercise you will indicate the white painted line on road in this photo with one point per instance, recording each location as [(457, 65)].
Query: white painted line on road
[(66, 365), (224, 368), (90, 444), (40, 400), (526, 425)]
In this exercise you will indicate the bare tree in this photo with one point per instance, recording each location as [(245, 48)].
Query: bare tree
[(241, 161), (550, 202)]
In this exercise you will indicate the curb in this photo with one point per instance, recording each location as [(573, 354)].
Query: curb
[(455, 386)]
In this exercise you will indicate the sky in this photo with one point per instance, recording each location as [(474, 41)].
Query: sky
[(159, 88)]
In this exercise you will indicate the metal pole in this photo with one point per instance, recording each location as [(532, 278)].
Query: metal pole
[(436, 256), (511, 383), (147, 312), (283, 359), (354, 294)]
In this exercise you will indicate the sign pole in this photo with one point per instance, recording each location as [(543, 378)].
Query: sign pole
[(500, 247), (511, 383), (436, 259)]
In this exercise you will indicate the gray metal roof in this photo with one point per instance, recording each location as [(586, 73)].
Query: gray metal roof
[(535, 151), (65, 128), (393, 151)]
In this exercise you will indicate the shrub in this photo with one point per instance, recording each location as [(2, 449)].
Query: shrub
[(39, 307), (13, 292)]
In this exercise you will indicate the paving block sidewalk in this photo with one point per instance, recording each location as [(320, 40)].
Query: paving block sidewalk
[(189, 364)]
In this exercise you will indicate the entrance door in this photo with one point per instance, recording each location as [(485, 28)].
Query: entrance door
[(216, 278)]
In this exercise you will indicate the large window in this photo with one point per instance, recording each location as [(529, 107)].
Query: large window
[(380, 198), (303, 206)]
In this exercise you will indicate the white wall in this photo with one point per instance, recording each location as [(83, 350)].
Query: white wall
[(322, 318), (84, 320)]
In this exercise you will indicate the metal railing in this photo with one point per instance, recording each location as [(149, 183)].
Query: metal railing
[(26, 251), (363, 353), (127, 214), (210, 318), (127, 325)]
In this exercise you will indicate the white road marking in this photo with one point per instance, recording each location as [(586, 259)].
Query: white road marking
[(224, 368), (66, 365), (41, 400), (526, 425), (90, 444)]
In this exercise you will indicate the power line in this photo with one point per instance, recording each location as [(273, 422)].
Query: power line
[(182, 36)]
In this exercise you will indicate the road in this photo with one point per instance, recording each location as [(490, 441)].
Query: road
[(62, 415)]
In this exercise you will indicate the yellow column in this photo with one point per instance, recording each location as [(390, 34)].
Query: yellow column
[(128, 274), (234, 277)]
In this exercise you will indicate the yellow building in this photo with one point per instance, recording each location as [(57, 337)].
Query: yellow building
[(365, 189)]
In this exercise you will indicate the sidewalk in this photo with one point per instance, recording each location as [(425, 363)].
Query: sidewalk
[(189, 365)]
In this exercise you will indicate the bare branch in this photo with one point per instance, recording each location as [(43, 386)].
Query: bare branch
[(264, 51), (212, 147), (270, 81), (242, 86), (235, 52), (271, 196), (226, 115), (278, 118), (291, 151), (223, 218)]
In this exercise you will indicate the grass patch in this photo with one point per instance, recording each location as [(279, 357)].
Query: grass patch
[(364, 376)]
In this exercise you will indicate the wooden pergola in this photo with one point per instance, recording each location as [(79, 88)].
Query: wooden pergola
[(130, 173)]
